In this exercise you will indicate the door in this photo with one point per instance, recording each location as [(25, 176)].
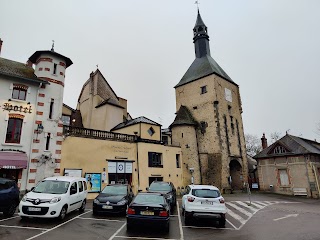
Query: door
[(74, 197)]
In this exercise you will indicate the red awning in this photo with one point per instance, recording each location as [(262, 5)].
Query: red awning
[(13, 160)]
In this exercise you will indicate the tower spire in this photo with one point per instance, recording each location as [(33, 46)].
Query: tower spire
[(52, 48), (201, 38)]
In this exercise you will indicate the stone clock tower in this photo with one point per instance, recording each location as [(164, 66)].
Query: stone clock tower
[(208, 124)]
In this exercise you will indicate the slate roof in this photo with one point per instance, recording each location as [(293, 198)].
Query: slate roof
[(36, 55), (135, 121), (295, 146), (109, 101), (19, 70), (184, 117), (202, 67)]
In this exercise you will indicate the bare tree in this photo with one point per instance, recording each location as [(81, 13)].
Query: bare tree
[(275, 136), (253, 144)]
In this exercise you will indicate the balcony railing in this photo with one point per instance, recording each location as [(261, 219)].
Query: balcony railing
[(97, 134)]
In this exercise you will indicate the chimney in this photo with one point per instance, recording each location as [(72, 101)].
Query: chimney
[(264, 141), (0, 45), (29, 63)]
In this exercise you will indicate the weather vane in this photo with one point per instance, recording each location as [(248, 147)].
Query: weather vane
[(197, 2), (52, 49), (97, 66)]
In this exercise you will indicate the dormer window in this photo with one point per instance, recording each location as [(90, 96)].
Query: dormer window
[(151, 131), (19, 92)]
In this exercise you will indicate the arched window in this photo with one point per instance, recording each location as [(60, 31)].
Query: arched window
[(14, 128)]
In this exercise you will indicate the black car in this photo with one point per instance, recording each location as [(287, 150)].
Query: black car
[(114, 198), (166, 188), (148, 209), (9, 196)]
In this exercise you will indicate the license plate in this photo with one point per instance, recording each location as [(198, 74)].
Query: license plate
[(147, 213), (32, 209), (107, 207), (207, 202)]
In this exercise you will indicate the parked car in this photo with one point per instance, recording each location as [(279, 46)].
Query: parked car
[(9, 196), (114, 198), (203, 201), (166, 188), (148, 209), (54, 197)]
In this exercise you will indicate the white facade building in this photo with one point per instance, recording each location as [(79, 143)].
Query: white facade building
[(31, 102)]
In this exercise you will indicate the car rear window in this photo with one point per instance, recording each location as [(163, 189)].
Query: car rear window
[(149, 198), (5, 184), (160, 186), (205, 193)]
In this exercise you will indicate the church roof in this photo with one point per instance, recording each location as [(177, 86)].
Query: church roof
[(184, 117), (202, 67), (19, 70), (293, 145), (135, 121)]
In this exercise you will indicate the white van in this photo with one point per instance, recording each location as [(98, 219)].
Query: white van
[(54, 197)]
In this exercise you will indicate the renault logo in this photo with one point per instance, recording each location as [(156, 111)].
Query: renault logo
[(37, 201)]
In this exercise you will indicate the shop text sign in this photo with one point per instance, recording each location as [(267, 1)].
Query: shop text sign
[(9, 107)]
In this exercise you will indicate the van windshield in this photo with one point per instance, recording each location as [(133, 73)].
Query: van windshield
[(52, 187)]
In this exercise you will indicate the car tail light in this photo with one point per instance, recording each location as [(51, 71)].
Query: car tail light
[(163, 214), (131, 211), (221, 200), (191, 199)]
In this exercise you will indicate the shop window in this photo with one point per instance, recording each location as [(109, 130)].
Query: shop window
[(155, 159), (178, 161), (14, 128), (19, 92), (284, 178)]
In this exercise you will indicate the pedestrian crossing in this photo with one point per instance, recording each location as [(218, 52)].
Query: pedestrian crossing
[(240, 212)]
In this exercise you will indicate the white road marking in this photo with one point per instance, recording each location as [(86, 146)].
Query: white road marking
[(270, 202), (230, 224), (262, 203), (236, 216), (180, 224), (32, 228), (57, 226), (100, 219), (287, 216), (259, 204), (239, 209), (255, 205), (212, 227), (8, 218), (247, 206), (114, 235)]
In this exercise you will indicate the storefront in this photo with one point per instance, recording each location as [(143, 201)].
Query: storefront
[(11, 165), (119, 172)]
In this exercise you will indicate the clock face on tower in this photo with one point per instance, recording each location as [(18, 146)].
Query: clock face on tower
[(228, 94)]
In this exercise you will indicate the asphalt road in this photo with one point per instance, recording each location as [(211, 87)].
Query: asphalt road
[(268, 217)]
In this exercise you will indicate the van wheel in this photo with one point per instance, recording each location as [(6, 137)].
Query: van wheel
[(63, 213), (83, 206), (10, 210)]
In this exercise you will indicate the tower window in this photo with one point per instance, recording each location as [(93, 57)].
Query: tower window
[(54, 68), (51, 108), (178, 160), (203, 89), (48, 141)]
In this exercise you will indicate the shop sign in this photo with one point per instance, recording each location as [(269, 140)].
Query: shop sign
[(120, 167), (9, 167), (9, 107)]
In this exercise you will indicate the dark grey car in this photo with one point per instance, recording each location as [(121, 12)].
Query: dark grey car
[(167, 189), (9, 196)]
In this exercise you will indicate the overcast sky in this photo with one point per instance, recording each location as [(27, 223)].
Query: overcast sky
[(270, 48)]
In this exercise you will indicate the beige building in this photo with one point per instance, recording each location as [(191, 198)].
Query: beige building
[(101, 139), (208, 125), (290, 166)]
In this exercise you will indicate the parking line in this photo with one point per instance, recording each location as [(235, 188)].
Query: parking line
[(100, 219), (58, 226), (212, 227), (114, 235), (32, 228), (8, 218), (180, 225)]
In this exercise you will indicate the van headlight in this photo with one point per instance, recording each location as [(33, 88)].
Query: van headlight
[(55, 200), (24, 198)]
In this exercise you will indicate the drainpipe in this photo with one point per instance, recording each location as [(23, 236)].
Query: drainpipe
[(33, 129)]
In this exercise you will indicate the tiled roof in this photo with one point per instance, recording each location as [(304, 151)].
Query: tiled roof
[(184, 117), (37, 54), (202, 67), (17, 69), (135, 121), (295, 146)]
